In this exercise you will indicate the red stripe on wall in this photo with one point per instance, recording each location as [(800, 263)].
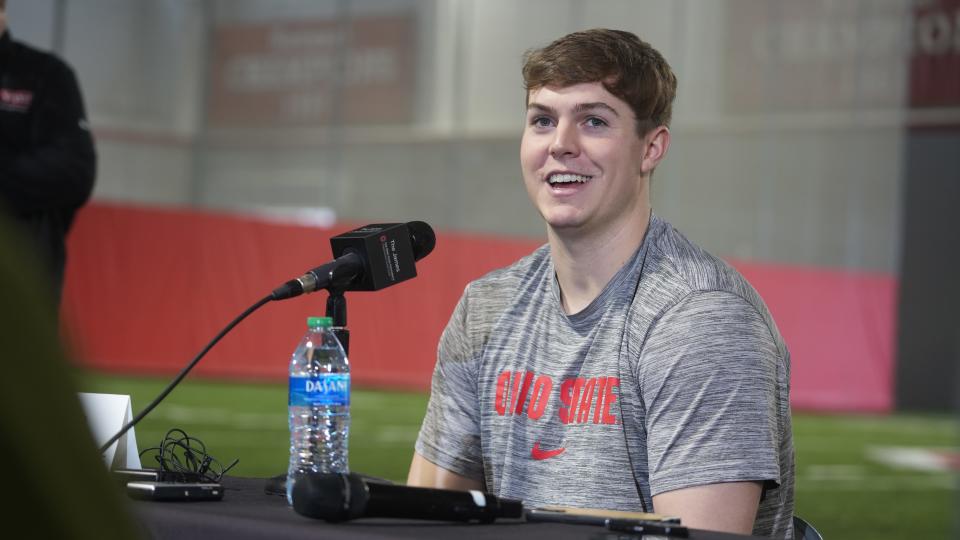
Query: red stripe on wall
[(147, 288), (839, 326)]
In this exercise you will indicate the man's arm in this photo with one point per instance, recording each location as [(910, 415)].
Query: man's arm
[(697, 507), (709, 379), (423, 473), (449, 438)]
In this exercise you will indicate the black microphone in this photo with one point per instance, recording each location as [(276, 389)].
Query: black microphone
[(343, 496), (367, 259)]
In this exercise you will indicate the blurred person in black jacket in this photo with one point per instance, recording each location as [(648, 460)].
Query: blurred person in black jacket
[(47, 157)]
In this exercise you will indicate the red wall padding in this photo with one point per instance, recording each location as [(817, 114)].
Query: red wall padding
[(147, 288)]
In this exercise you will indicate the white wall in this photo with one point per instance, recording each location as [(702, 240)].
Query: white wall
[(788, 126), (139, 64), (32, 21)]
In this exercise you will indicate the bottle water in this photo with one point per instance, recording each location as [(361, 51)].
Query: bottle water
[(319, 404)]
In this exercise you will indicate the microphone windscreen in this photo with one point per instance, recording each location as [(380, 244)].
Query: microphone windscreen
[(422, 238), (331, 497)]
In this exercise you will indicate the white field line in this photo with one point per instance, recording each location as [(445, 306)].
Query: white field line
[(223, 437), (833, 473), (235, 426), (857, 478), (221, 417), (397, 434), (912, 458), (896, 426), (880, 483)]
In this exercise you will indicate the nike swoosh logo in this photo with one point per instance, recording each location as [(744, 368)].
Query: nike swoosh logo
[(538, 453)]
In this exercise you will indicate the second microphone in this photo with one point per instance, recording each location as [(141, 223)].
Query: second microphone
[(342, 496)]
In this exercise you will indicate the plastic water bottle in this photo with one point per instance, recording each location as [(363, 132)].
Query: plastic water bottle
[(319, 404)]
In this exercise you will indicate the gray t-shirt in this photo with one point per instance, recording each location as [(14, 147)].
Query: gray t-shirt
[(674, 376)]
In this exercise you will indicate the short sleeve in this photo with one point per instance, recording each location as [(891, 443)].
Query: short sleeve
[(450, 434), (708, 376)]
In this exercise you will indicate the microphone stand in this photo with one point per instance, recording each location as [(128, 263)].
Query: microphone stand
[(337, 310)]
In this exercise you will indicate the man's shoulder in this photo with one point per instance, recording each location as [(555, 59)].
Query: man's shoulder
[(37, 60), (504, 283), (679, 272), (486, 299), (688, 268), (678, 268)]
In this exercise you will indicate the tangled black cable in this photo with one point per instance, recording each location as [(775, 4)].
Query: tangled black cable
[(183, 458)]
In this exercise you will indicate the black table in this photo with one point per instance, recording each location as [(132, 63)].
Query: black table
[(247, 512)]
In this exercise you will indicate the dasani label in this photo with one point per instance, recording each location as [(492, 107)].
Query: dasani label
[(324, 389)]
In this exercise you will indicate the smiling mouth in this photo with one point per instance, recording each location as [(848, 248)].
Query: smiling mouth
[(567, 178)]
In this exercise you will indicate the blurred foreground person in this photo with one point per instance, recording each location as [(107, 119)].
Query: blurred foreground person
[(47, 158), (57, 482), (619, 366)]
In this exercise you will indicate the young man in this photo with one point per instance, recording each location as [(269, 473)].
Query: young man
[(619, 366)]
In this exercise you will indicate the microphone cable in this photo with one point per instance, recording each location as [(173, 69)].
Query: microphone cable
[(183, 373), (182, 458)]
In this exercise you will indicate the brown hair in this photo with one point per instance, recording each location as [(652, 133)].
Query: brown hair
[(627, 66)]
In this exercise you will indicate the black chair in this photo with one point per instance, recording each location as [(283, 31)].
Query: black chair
[(804, 531)]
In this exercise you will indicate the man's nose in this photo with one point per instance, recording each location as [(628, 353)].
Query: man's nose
[(564, 141)]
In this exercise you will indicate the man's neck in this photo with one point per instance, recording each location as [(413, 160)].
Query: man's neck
[(585, 263)]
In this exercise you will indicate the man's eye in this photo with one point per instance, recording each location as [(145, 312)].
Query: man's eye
[(593, 121), (541, 121)]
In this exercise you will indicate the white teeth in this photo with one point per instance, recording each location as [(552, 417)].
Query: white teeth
[(568, 178)]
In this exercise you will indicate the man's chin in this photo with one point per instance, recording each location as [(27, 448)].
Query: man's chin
[(561, 215), (566, 225)]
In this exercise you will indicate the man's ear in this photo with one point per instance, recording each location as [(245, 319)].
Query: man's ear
[(656, 143)]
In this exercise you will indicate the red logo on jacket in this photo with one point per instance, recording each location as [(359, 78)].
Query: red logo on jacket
[(15, 100)]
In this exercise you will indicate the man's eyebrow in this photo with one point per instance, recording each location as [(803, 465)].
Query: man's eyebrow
[(541, 108), (583, 107), (578, 108)]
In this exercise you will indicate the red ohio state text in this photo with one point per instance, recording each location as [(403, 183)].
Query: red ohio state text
[(582, 399)]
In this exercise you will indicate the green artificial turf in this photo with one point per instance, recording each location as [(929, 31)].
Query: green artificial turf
[(846, 494), (248, 421), (839, 488)]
